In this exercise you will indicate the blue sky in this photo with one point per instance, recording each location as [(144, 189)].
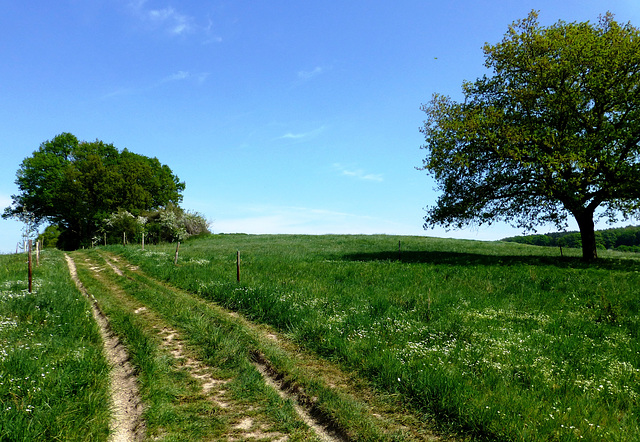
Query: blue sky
[(280, 116)]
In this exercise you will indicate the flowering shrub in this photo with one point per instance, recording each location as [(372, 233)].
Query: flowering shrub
[(171, 224), (194, 223), (120, 225), (174, 224), (164, 225)]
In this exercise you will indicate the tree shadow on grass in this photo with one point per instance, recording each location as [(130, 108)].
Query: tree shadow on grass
[(474, 259)]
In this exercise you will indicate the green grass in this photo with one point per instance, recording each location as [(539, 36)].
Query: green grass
[(53, 376), (175, 408), (495, 340), (164, 388)]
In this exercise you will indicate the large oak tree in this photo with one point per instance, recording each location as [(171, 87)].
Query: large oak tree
[(77, 185), (552, 133)]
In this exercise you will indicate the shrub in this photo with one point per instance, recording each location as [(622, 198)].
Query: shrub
[(174, 224)]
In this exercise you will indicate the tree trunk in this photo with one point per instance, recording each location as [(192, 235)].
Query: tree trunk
[(588, 236)]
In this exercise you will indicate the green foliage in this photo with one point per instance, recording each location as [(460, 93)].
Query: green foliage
[(624, 239), (172, 224), (122, 224), (76, 185), (50, 236), (194, 223), (552, 133), (168, 224), (497, 340)]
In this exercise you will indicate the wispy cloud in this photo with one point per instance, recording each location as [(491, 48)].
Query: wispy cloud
[(197, 78), (304, 76), (307, 75), (301, 135), (358, 173), (119, 93), (170, 20), (210, 37)]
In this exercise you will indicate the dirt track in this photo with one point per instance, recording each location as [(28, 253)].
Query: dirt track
[(128, 424)]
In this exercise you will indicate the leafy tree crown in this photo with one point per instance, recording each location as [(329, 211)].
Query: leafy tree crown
[(553, 131)]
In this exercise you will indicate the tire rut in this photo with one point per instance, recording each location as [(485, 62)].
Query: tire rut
[(320, 425), (244, 423), (126, 423), (214, 388)]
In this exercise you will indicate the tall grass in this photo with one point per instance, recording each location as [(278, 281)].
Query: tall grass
[(176, 409), (164, 388), (495, 340), (53, 376)]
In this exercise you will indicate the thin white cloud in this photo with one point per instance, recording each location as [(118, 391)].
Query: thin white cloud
[(307, 75), (301, 135), (208, 31), (119, 92), (168, 18), (180, 75), (214, 39), (358, 173), (197, 78), (293, 136)]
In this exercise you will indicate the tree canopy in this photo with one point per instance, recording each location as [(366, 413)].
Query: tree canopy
[(77, 185), (553, 132)]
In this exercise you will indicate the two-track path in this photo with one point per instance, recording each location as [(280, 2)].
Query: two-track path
[(127, 423), (245, 422)]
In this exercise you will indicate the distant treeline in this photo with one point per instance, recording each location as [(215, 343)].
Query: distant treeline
[(625, 239)]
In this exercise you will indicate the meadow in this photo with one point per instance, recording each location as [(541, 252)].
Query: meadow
[(54, 378), (498, 341)]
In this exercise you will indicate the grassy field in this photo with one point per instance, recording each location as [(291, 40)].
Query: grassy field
[(175, 409), (494, 340), (53, 376)]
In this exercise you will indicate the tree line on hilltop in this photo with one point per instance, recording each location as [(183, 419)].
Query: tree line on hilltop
[(626, 239)]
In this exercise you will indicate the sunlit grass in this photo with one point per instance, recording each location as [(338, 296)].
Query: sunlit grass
[(175, 407), (53, 376), (494, 339)]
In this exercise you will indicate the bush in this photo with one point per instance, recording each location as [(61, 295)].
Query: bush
[(122, 223), (174, 224)]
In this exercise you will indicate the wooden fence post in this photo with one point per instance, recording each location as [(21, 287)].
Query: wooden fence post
[(175, 261), (238, 266), (142, 240), (30, 269), (37, 253)]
